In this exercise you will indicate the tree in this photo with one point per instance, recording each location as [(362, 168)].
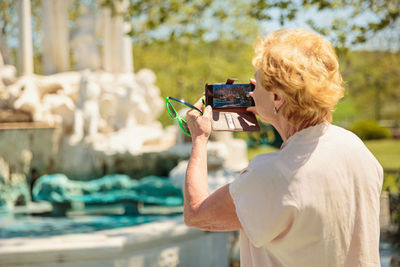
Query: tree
[(7, 26), (373, 82), (361, 22), (166, 20)]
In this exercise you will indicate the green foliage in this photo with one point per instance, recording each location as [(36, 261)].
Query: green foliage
[(183, 68), (7, 28), (252, 152), (180, 18), (395, 211), (345, 112), (169, 20), (390, 183), (7, 8), (373, 83), (369, 130), (267, 136), (386, 151), (386, 16), (263, 10)]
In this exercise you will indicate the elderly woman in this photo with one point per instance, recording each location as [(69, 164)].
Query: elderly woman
[(315, 202)]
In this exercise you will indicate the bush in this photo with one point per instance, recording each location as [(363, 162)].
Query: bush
[(267, 135), (368, 130)]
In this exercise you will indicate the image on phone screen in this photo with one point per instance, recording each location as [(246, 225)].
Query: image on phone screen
[(232, 95)]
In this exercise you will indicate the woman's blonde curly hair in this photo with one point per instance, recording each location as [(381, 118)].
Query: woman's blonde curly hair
[(304, 67)]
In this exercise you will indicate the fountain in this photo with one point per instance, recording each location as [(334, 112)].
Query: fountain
[(61, 132)]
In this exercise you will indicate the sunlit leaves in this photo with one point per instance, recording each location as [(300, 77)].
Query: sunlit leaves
[(152, 15), (385, 14)]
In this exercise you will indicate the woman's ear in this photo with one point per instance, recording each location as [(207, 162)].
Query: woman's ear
[(279, 100)]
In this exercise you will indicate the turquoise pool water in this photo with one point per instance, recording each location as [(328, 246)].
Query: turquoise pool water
[(113, 201), (24, 225)]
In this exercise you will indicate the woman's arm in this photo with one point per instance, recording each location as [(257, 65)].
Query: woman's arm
[(215, 212)]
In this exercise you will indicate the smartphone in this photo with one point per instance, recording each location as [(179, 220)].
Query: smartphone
[(228, 96)]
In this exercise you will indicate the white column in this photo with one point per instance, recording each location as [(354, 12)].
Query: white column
[(117, 49), (126, 50), (107, 41), (25, 53), (55, 36)]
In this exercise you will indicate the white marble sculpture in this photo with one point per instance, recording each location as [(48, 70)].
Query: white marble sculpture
[(101, 116), (42, 96), (87, 113), (117, 107), (60, 110), (7, 74), (146, 79), (29, 98)]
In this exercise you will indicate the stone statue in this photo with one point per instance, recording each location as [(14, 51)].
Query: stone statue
[(60, 109), (146, 82), (117, 108), (87, 113), (7, 74), (29, 97)]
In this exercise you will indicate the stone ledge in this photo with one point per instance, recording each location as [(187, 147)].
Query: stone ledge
[(107, 244), (25, 125)]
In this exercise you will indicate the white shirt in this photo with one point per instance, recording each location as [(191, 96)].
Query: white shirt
[(315, 202)]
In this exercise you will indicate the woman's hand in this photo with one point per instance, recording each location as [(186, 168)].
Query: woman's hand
[(252, 109), (199, 125)]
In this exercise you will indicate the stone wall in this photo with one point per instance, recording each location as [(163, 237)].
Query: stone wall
[(168, 243), (27, 149)]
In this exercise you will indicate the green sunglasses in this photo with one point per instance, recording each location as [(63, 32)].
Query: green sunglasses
[(175, 116)]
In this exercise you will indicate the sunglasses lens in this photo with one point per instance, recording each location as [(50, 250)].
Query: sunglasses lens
[(172, 111), (185, 127)]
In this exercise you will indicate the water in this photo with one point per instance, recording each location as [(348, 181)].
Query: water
[(24, 225), (234, 103), (113, 201)]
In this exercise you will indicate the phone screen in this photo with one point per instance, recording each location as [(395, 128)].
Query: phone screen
[(229, 95)]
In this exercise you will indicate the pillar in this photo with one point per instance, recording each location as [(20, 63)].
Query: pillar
[(25, 48), (55, 36)]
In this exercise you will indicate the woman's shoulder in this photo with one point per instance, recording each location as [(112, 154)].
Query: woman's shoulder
[(343, 136), (267, 164), (323, 132), (265, 159)]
